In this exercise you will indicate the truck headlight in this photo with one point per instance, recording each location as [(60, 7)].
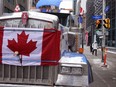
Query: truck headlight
[(77, 70), (71, 70), (65, 69)]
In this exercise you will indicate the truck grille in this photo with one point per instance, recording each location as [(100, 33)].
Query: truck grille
[(27, 74)]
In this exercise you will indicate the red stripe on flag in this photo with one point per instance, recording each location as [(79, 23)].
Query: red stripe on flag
[(81, 11), (1, 42), (50, 48)]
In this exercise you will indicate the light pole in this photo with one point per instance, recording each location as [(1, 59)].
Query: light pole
[(70, 19), (92, 34), (103, 29)]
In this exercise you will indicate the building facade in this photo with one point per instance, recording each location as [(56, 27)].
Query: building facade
[(89, 13), (111, 41), (90, 23), (94, 7), (8, 6)]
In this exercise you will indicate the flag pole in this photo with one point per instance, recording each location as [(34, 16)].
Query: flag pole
[(103, 30)]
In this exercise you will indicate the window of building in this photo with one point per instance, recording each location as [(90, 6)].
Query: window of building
[(109, 38), (11, 1), (113, 23), (22, 8), (7, 10), (8, 0), (113, 3), (112, 13), (23, 0), (113, 37)]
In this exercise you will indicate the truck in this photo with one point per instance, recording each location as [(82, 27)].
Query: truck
[(35, 51)]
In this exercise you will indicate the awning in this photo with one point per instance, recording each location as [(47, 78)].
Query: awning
[(48, 2)]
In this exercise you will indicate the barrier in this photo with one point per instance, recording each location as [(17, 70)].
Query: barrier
[(81, 50), (105, 55)]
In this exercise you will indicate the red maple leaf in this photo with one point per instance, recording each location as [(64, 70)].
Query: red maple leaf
[(22, 46)]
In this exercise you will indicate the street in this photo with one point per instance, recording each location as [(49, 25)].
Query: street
[(103, 76)]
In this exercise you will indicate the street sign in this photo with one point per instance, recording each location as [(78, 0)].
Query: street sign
[(97, 17), (99, 33), (107, 9), (80, 19), (17, 8)]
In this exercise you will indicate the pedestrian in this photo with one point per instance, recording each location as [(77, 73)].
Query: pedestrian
[(94, 50)]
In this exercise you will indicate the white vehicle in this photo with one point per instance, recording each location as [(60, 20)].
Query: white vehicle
[(34, 51)]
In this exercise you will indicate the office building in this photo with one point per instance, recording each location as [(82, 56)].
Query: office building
[(95, 7)]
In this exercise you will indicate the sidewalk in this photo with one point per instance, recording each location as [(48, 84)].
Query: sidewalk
[(111, 50), (103, 76), (92, 58)]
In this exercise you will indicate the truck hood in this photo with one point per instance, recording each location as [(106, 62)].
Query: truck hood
[(73, 58)]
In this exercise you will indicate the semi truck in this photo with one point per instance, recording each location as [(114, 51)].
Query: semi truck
[(35, 51)]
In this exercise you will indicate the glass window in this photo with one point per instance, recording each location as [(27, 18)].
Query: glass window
[(113, 37), (109, 38), (113, 23), (23, 0), (113, 13), (11, 1), (8, 0), (7, 10), (113, 3)]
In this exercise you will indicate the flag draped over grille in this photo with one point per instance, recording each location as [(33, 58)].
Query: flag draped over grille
[(23, 47)]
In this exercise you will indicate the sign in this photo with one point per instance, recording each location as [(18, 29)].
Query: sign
[(17, 8), (80, 20), (99, 33), (107, 9), (97, 17)]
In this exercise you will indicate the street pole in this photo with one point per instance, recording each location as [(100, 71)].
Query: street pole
[(103, 28), (82, 37), (70, 20)]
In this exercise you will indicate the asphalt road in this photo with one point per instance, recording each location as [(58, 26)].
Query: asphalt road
[(103, 76)]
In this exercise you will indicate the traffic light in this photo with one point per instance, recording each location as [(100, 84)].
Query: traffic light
[(98, 24), (106, 23)]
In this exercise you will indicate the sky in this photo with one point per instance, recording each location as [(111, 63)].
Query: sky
[(83, 4)]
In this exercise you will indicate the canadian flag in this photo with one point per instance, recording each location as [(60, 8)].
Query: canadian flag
[(17, 8), (28, 48), (81, 11)]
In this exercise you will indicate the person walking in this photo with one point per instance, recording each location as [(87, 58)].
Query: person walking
[(94, 50)]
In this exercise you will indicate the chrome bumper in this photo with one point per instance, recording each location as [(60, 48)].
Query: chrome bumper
[(72, 80)]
